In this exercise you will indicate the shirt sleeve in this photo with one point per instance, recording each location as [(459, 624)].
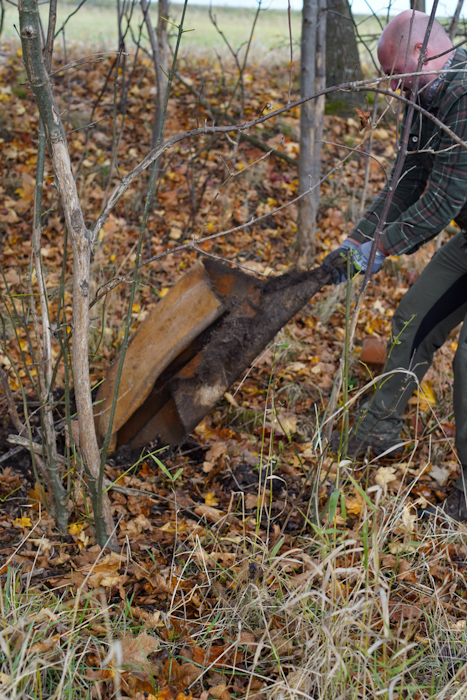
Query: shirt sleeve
[(425, 202), (409, 189)]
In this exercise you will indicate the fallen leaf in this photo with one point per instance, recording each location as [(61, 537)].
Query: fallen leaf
[(439, 474), (373, 351), (424, 397), (384, 476), (400, 547), (297, 685), (135, 652), (42, 647), (210, 499), (220, 692), (211, 514), (364, 117), (354, 504), (22, 522), (408, 519)]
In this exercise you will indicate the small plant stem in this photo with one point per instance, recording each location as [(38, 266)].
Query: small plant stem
[(366, 178), (58, 497), (345, 391)]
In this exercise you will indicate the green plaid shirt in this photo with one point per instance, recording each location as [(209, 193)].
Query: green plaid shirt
[(432, 190)]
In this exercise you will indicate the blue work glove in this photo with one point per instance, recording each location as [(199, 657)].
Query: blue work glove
[(336, 261), (361, 258)]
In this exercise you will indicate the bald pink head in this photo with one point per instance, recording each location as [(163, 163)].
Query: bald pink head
[(401, 42)]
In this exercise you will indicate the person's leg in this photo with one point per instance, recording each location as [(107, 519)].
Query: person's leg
[(460, 404), (455, 505), (434, 305)]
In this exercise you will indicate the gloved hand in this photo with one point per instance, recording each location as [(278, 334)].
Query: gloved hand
[(361, 258), (335, 262)]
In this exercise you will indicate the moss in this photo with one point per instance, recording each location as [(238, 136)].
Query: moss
[(19, 88)]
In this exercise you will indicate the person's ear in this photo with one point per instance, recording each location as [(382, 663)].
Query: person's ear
[(418, 47)]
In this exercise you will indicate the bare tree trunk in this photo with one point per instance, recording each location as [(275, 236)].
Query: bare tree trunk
[(81, 243), (455, 20), (342, 57), (418, 5), (312, 79)]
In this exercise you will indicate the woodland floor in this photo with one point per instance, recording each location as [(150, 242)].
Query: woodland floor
[(226, 584)]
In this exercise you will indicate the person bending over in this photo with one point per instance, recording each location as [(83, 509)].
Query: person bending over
[(430, 193)]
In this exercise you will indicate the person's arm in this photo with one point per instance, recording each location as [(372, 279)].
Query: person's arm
[(409, 189), (445, 193)]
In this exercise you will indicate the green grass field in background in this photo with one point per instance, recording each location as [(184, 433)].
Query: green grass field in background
[(95, 26)]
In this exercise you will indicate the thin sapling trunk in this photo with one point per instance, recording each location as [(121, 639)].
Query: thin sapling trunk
[(81, 245)]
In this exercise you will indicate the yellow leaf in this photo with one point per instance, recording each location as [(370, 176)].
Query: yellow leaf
[(424, 397), (75, 528), (353, 505), (210, 499), (22, 522), (427, 391)]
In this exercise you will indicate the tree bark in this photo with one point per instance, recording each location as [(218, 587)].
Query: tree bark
[(418, 5), (342, 57), (81, 243), (312, 79)]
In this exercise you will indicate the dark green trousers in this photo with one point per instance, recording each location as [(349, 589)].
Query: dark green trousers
[(432, 307)]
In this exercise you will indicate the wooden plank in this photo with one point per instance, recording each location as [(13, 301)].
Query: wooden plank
[(188, 309)]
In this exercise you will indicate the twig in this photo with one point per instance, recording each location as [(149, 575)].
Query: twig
[(289, 19), (368, 157), (26, 444), (11, 453)]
